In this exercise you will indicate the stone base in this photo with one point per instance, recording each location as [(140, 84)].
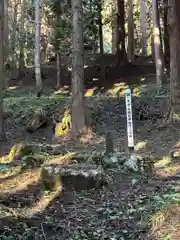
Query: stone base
[(75, 176)]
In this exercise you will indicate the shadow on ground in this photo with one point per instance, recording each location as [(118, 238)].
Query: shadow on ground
[(120, 210)]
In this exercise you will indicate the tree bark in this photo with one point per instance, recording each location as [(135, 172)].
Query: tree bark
[(143, 27), (37, 48), (59, 72), (157, 44), (78, 109), (130, 31), (100, 29), (6, 32), (58, 55), (13, 38), (120, 47), (2, 130), (174, 35), (114, 26), (22, 40), (166, 36)]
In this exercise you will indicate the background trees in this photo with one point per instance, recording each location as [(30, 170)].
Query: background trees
[(103, 25), (36, 32)]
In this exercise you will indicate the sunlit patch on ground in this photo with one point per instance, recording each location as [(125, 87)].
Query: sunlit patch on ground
[(163, 162), (20, 182), (166, 224), (63, 90), (90, 92), (65, 159), (118, 89), (12, 87), (140, 145), (37, 208), (42, 203), (86, 137), (9, 172), (4, 159), (169, 171), (177, 144)]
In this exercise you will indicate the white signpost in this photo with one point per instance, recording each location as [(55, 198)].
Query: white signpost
[(130, 133)]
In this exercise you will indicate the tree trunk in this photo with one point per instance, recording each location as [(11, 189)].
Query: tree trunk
[(58, 56), (152, 47), (166, 36), (22, 40), (143, 27), (100, 29), (2, 131), (59, 72), (120, 47), (157, 44), (130, 31), (6, 32), (78, 109), (13, 38), (160, 32), (174, 35), (114, 26), (37, 48)]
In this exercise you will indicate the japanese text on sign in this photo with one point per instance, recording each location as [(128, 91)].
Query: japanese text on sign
[(129, 118)]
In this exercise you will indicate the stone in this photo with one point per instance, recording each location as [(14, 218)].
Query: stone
[(109, 143), (38, 121), (139, 163), (113, 160), (74, 176)]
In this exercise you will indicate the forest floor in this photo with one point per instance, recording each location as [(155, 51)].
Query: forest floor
[(131, 206)]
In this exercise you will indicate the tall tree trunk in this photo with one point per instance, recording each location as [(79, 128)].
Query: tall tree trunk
[(174, 35), (157, 44), (78, 109), (58, 57), (130, 31), (166, 36), (120, 48), (22, 40), (59, 71), (160, 31), (114, 25), (143, 27), (13, 38), (2, 131), (6, 32), (37, 48), (100, 29), (152, 47)]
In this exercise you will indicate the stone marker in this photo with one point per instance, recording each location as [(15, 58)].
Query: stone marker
[(74, 176)]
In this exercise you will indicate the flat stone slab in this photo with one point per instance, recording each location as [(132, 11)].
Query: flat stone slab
[(74, 176)]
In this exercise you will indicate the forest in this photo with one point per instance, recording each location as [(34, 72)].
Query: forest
[(89, 120)]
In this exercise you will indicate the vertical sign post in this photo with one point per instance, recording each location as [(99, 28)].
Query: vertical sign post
[(130, 133)]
